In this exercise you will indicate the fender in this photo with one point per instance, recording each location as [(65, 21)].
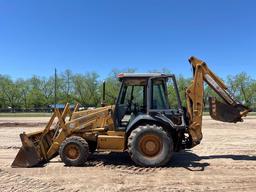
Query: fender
[(144, 117)]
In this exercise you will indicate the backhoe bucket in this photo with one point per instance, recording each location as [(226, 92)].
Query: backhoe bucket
[(31, 152), (226, 113)]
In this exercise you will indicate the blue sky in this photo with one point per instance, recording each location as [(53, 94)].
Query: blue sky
[(101, 35)]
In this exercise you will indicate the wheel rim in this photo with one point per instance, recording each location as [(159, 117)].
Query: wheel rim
[(72, 151), (150, 145)]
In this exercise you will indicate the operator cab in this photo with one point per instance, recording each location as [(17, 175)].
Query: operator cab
[(147, 94)]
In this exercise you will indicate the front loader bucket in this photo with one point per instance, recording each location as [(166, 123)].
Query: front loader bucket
[(40, 147), (226, 113), (28, 156), (31, 152)]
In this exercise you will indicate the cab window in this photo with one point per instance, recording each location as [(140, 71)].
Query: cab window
[(159, 95)]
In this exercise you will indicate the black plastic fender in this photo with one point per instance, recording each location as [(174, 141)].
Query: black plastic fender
[(144, 119)]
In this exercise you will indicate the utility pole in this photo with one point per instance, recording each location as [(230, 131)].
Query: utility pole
[(55, 89)]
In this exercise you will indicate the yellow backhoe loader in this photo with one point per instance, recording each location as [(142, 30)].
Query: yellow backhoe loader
[(141, 122)]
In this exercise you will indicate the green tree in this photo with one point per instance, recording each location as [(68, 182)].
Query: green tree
[(243, 86), (86, 89), (24, 89), (11, 94), (38, 92), (66, 84), (36, 96)]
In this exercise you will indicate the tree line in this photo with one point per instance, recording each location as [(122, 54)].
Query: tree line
[(39, 92)]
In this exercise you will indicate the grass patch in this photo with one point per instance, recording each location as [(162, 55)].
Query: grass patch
[(252, 114), (25, 114)]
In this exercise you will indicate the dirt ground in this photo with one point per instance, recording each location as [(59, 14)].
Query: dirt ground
[(224, 161)]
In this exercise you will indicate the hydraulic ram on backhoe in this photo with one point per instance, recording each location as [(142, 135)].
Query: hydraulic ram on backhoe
[(230, 110)]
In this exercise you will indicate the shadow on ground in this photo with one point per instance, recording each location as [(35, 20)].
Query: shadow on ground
[(185, 159), (234, 157)]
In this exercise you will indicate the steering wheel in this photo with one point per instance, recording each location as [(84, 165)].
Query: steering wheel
[(136, 108), (132, 107)]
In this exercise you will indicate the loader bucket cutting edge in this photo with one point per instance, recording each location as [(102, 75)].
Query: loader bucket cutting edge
[(28, 156), (225, 113)]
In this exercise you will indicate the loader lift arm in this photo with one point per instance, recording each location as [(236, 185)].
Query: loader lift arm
[(40, 147), (230, 110)]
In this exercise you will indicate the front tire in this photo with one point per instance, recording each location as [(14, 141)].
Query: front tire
[(74, 151), (150, 146)]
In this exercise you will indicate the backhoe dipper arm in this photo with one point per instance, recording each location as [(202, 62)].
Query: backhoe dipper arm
[(230, 110)]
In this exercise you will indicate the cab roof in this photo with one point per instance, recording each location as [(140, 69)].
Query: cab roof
[(142, 75)]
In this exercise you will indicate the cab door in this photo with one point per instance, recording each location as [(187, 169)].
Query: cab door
[(131, 101)]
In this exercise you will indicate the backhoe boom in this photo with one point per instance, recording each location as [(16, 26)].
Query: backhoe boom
[(230, 110)]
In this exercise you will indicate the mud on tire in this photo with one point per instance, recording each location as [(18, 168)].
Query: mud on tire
[(74, 151), (150, 146)]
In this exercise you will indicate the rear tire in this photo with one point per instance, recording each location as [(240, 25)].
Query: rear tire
[(150, 146), (74, 151)]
